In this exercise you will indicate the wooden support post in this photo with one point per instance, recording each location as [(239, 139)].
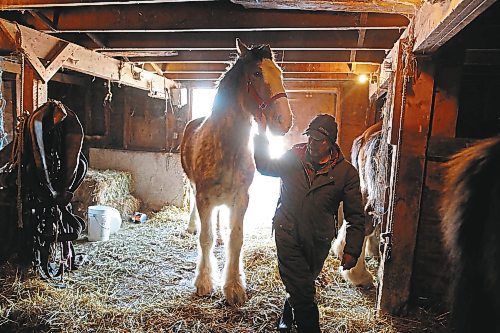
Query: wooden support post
[(407, 182), (34, 90), (397, 96)]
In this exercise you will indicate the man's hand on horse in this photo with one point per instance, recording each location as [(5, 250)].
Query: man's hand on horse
[(261, 122), (348, 261)]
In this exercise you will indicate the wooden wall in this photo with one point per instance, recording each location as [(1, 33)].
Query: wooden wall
[(125, 119), (465, 109), (346, 100)]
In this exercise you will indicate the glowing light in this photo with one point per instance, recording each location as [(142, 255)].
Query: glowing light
[(146, 75), (362, 78), (203, 98), (264, 191)]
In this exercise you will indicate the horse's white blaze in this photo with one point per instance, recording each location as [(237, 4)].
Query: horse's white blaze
[(279, 108)]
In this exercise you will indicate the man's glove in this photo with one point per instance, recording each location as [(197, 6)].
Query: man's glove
[(348, 261)]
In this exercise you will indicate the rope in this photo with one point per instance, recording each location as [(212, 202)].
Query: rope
[(17, 150), (3, 103)]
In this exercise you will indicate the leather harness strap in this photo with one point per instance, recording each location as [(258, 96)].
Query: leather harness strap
[(263, 103)]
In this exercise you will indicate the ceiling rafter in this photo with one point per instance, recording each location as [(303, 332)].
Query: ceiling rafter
[(216, 16), (377, 6), (318, 40)]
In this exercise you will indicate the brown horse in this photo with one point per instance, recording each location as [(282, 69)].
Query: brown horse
[(216, 158), (471, 228)]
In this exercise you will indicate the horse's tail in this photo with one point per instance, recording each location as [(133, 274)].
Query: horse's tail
[(356, 148), (471, 229), (371, 168)]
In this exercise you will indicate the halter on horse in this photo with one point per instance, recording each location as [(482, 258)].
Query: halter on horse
[(216, 158)]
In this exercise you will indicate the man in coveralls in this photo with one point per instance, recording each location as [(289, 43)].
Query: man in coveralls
[(315, 178)]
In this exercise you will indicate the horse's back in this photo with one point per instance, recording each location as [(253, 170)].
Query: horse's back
[(471, 229)]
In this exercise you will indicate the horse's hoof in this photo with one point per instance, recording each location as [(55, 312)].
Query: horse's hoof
[(191, 231), (235, 293), (204, 286)]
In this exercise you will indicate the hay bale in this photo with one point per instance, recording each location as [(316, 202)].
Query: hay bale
[(106, 187)]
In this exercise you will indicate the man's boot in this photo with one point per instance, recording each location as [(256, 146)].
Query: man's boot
[(307, 320), (285, 321)]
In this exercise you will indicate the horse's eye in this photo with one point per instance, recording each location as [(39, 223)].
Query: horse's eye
[(257, 74)]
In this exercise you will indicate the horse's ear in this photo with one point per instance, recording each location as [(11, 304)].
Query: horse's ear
[(241, 47)]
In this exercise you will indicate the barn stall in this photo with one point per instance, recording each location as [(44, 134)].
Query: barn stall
[(130, 73)]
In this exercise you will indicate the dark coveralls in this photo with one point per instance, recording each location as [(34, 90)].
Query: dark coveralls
[(305, 219)]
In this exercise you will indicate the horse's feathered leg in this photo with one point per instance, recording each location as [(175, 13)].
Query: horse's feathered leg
[(234, 277), (358, 275), (206, 272)]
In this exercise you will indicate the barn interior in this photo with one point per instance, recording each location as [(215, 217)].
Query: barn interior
[(135, 72)]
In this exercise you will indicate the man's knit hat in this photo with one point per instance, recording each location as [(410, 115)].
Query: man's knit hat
[(321, 127)]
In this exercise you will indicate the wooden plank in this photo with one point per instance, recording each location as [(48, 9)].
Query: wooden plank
[(279, 40), (445, 114), (436, 22), (440, 149), (287, 68), (404, 204), (213, 16), (88, 62), (26, 4), (34, 90), (397, 97), (58, 61), (375, 6), (286, 76), (309, 56)]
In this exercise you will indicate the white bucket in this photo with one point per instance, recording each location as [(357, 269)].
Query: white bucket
[(102, 221)]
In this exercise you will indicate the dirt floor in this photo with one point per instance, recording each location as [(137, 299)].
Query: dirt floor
[(141, 281)]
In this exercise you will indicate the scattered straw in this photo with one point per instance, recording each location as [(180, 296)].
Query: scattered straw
[(141, 281)]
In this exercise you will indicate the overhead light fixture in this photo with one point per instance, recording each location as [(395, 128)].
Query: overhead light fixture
[(362, 78)]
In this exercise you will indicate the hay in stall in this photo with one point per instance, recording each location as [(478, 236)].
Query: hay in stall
[(141, 281), (106, 187)]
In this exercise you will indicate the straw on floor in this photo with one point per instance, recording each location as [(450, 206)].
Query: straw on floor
[(141, 281)]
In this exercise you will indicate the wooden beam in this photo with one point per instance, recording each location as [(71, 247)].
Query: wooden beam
[(279, 40), (286, 76), (58, 61), (407, 183), (27, 4), (157, 68), (405, 196), (213, 16), (482, 57), (398, 86), (445, 113), (34, 90), (361, 40), (88, 62), (287, 68), (306, 56), (437, 22), (375, 6)]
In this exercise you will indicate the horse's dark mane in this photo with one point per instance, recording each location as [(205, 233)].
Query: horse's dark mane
[(228, 82)]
